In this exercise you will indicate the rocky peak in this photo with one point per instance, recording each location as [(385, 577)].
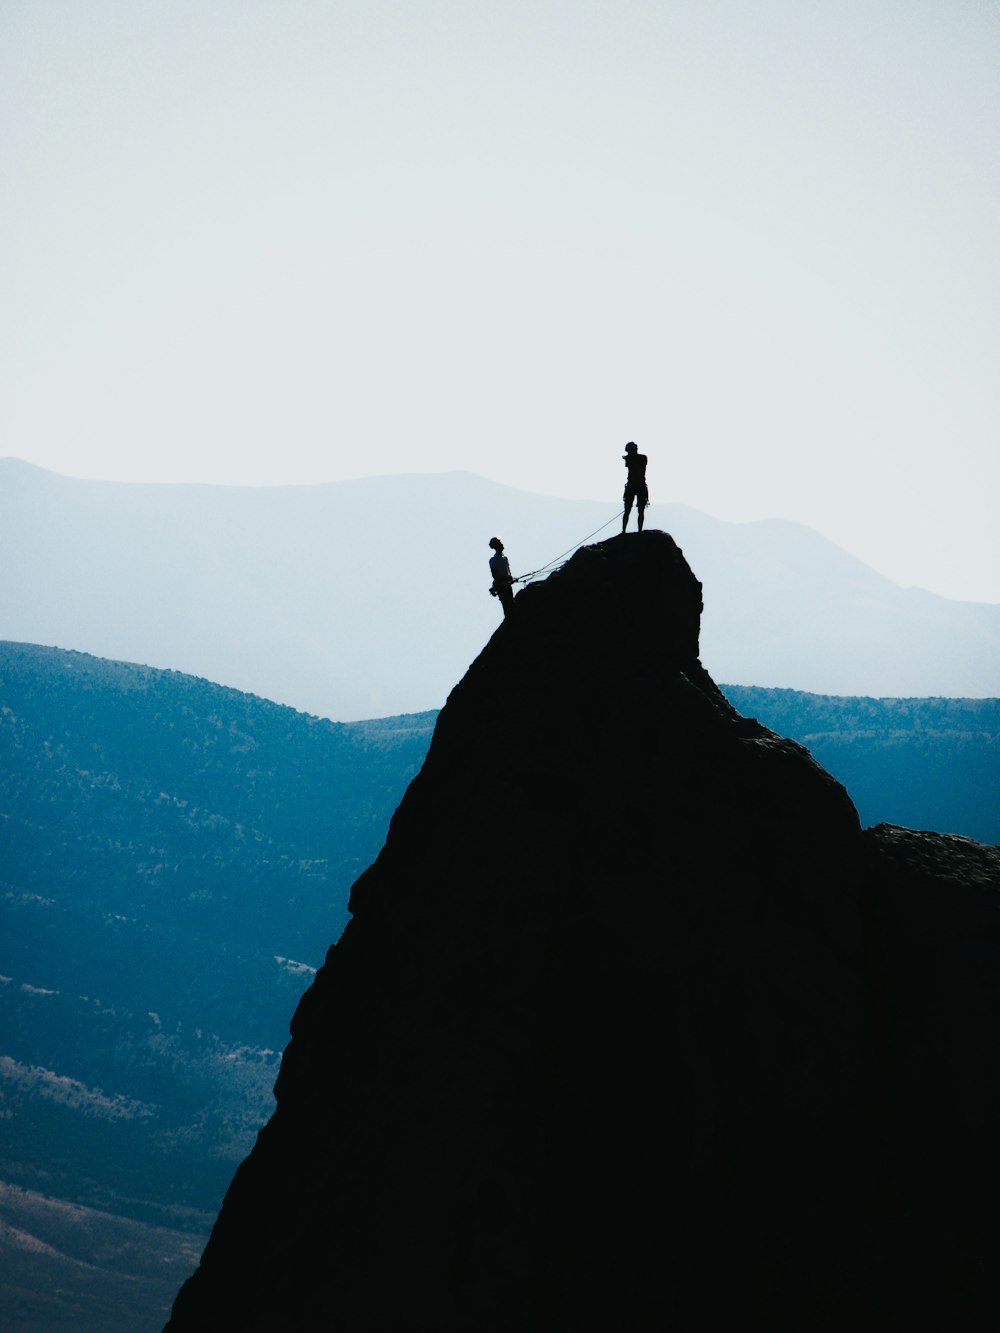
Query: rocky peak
[(630, 1023)]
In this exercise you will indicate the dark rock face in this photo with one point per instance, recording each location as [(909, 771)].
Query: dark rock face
[(633, 1027)]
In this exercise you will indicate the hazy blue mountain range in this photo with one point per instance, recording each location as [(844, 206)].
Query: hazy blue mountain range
[(175, 859), (368, 598)]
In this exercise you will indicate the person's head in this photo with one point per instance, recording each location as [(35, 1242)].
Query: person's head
[(497, 544), (630, 447)]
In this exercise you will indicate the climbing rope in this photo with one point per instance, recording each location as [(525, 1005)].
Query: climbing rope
[(544, 569)]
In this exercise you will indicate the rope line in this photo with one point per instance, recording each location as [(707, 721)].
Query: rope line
[(524, 578)]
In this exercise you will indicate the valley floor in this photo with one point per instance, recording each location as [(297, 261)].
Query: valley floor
[(64, 1267)]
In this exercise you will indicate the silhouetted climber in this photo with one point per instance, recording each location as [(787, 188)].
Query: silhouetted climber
[(503, 579), (635, 487)]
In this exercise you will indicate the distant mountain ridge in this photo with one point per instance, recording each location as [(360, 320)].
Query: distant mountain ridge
[(369, 598)]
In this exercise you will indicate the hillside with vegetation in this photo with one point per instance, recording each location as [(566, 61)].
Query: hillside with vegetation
[(175, 861)]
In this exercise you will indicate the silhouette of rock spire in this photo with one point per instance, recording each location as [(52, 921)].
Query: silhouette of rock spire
[(633, 1025)]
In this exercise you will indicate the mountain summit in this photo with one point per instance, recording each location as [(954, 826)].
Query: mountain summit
[(633, 1027)]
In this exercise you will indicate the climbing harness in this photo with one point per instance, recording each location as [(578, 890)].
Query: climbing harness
[(547, 568)]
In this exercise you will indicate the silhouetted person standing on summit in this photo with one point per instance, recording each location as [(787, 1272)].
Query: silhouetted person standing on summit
[(503, 579), (635, 487)]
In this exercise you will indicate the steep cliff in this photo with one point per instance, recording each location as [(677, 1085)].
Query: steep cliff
[(633, 1026)]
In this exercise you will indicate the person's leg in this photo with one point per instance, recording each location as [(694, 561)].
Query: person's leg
[(628, 509), (641, 501)]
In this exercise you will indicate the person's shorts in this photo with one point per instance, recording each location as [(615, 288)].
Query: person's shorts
[(639, 494)]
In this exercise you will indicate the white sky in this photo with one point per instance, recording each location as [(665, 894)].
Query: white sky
[(277, 241)]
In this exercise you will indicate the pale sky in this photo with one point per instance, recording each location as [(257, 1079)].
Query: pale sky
[(295, 241)]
